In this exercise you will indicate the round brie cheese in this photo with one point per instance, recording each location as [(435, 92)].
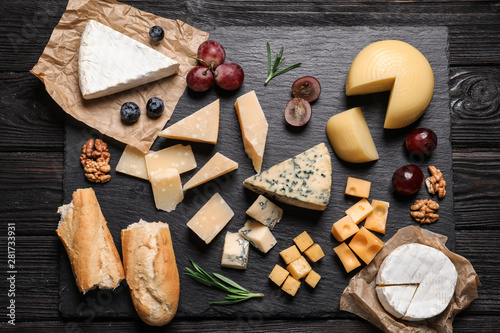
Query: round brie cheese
[(416, 282)]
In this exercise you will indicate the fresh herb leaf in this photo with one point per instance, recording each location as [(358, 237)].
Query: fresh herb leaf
[(271, 71), (236, 292)]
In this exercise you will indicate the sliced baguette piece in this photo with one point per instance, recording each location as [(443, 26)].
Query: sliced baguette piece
[(151, 271), (85, 235)]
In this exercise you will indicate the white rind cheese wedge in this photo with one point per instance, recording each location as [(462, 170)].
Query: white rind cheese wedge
[(132, 163), (201, 126), (397, 66), (303, 181), (350, 137), (427, 268), (217, 166), (253, 126), (110, 62)]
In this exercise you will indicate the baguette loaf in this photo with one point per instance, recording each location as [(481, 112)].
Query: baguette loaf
[(151, 271), (85, 235)]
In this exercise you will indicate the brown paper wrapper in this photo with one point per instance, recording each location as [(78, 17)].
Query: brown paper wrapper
[(57, 68), (361, 298)]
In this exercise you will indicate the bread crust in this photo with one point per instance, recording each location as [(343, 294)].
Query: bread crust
[(151, 271), (85, 235)]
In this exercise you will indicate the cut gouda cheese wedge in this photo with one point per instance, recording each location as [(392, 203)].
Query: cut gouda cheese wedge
[(350, 137), (215, 167), (253, 126), (201, 126), (167, 189), (397, 66), (179, 157), (132, 163)]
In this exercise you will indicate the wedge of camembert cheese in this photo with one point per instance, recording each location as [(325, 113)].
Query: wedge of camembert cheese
[(416, 282), (303, 181), (110, 62)]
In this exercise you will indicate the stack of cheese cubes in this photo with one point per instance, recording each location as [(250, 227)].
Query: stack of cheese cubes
[(298, 266), (364, 243)]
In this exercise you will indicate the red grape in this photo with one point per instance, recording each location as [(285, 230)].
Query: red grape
[(407, 179), (229, 76), (307, 88), (421, 141), (298, 112), (199, 78), (212, 53)]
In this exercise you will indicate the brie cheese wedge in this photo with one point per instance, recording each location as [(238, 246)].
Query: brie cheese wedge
[(110, 62), (416, 282)]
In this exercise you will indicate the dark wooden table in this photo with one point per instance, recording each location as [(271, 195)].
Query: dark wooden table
[(32, 139)]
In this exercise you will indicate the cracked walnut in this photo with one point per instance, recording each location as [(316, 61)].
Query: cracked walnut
[(95, 161), (424, 211)]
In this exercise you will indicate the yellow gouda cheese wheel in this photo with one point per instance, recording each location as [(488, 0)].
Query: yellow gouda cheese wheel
[(350, 137), (397, 66)]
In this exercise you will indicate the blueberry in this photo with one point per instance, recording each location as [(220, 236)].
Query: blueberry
[(130, 112), (156, 33), (155, 107)]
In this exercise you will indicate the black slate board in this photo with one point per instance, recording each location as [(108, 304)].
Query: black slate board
[(325, 53)]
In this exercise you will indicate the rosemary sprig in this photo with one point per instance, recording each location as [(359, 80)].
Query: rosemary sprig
[(271, 70), (236, 292)]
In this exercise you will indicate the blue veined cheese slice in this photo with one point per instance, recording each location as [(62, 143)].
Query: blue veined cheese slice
[(235, 252), (304, 180), (265, 211), (258, 235), (110, 62)]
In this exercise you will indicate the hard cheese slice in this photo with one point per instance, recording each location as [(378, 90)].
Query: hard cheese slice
[(167, 189), (110, 62), (211, 218), (215, 167), (201, 126), (253, 126), (303, 181), (132, 163), (397, 66), (179, 157)]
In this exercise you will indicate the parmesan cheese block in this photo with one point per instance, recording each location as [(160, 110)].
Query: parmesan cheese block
[(258, 235), (303, 181), (217, 166), (397, 66), (178, 157), (350, 137), (265, 212), (425, 269), (201, 126), (211, 218), (132, 163), (235, 252), (253, 126), (110, 62), (167, 188)]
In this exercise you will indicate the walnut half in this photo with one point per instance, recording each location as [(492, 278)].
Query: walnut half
[(94, 159), (435, 183), (424, 211)]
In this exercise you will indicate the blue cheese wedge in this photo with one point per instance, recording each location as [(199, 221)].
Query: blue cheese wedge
[(110, 62), (416, 282), (235, 252), (303, 181), (265, 211), (258, 235)]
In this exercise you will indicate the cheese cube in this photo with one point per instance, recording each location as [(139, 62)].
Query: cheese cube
[(347, 257), (167, 188), (258, 235), (291, 286), (357, 187), (299, 268), (366, 245), (278, 275), (303, 241), (132, 163), (344, 228), (312, 279), (290, 254), (265, 212), (179, 157), (314, 253), (211, 218), (359, 211), (235, 252), (377, 219)]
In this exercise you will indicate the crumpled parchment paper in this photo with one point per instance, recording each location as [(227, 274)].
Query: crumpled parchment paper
[(57, 68), (361, 298)]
